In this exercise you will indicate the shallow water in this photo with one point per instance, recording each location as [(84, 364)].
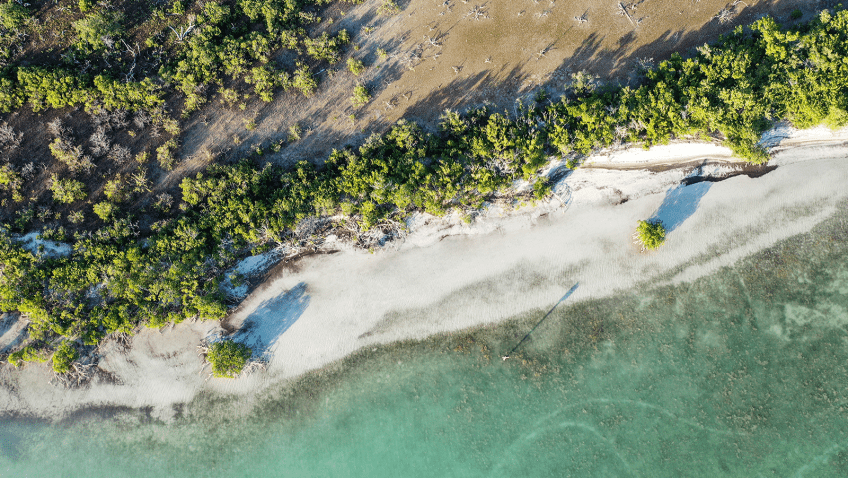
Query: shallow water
[(741, 373)]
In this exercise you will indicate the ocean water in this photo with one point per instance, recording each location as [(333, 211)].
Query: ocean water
[(740, 373)]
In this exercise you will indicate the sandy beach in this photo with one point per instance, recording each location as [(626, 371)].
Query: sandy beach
[(447, 275)]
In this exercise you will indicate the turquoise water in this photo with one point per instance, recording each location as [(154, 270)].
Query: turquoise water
[(741, 373)]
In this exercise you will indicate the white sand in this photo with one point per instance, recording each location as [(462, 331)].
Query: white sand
[(675, 152), (32, 243), (442, 279)]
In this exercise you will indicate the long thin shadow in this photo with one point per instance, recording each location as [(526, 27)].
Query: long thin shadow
[(263, 328), (680, 203), (566, 296)]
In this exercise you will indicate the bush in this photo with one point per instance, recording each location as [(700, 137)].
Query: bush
[(228, 358), (326, 47), (355, 66), (650, 234), (98, 31), (27, 354), (67, 190), (304, 81), (11, 182), (165, 154), (389, 7), (104, 210), (72, 156), (361, 96), (13, 15), (76, 217), (64, 356), (295, 132)]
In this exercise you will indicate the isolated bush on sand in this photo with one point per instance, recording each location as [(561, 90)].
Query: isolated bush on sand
[(228, 358), (650, 234)]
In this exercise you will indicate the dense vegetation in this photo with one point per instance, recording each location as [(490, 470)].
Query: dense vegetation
[(191, 47), (119, 276)]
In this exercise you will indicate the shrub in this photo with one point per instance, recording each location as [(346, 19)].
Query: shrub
[(361, 96), (11, 182), (326, 47), (13, 15), (355, 66), (67, 190), (650, 234), (304, 81), (228, 358), (389, 7), (295, 132), (114, 189), (98, 31), (70, 155), (541, 189), (64, 356), (54, 87), (76, 217), (165, 154), (264, 79), (104, 210), (27, 354)]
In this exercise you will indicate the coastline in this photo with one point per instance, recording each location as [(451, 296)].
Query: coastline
[(438, 280)]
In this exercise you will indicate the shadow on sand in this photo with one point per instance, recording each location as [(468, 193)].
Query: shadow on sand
[(262, 328), (680, 203)]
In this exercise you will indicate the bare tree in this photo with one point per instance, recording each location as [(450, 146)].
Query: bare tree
[(56, 128), (142, 118), (28, 171), (8, 138), (163, 202), (119, 154), (183, 31), (100, 144), (725, 15), (621, 10)]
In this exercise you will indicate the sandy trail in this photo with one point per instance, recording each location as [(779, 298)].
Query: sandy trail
[(447, 276)]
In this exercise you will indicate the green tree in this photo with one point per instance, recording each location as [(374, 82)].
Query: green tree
[(650, 234), (67, 190), (27, 354), (64, 356), (97, 30), (355, 66), (228, 358), (104, 210), (13, 15), (361, 96)]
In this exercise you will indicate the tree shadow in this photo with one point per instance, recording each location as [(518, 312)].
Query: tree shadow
[(263, 327), (680, 203)]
